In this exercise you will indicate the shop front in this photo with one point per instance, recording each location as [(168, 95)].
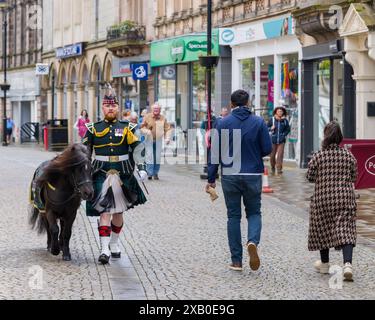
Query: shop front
[(266, 63), (180, 80), (328, 95)]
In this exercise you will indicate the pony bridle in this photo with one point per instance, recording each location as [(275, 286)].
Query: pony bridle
[(76, 185)]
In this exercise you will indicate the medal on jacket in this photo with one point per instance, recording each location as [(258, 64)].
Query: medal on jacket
[(118, 132)]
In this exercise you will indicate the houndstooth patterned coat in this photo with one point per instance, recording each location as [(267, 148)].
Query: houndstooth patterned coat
[(333, 205)]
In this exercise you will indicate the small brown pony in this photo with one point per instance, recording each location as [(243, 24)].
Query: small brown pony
[(57, 189)]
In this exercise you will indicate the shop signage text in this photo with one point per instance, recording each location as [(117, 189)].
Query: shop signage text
[(73, 50), (256, 31), (370, 165), (183, 49)]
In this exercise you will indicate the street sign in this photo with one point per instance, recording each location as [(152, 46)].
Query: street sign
[(140, 71), (73, 50), (42, 69)]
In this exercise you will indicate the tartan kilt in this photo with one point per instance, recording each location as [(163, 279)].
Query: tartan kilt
[(129, 181)]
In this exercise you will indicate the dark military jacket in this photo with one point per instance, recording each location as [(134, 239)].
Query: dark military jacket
[(110, 138), (115, 138)]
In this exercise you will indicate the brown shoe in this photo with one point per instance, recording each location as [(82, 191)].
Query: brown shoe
[(253, 255), (236, 266), (156, 177)]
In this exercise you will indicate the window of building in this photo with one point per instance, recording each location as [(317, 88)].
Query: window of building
[(167, 92), (247, 67), (289, 97), (200, 94)]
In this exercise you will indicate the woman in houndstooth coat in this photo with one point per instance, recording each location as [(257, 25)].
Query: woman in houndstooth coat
[(333, 205)]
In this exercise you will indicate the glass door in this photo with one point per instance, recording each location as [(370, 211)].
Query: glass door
[(322, 99), (337, 90)]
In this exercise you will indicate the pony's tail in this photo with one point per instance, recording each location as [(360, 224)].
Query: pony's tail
[(37, 221)]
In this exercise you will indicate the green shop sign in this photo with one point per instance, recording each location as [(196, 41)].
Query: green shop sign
[(182, 49)]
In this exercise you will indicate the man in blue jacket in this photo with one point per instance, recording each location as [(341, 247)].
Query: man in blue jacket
[(239, 144)]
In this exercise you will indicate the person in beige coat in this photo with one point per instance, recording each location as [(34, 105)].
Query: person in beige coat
[(155, 128), (333, 205)]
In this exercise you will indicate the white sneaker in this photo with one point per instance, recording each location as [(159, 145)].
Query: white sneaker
[(321, 267), (348, 272)]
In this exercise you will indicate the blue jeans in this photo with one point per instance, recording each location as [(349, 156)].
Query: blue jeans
[(153, 158), (250, 189)]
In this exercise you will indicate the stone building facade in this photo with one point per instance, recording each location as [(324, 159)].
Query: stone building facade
[(81, 39), (24, 50)]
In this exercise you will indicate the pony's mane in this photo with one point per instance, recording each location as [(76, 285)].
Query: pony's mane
[(72, 156)]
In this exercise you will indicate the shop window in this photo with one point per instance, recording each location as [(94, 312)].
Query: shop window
[(338, 89), (167, 92), (322, 95), (247, 67), (267, 83), (289, 97), (200, 94)]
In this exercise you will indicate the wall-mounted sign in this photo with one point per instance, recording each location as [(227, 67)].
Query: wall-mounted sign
[(140, 71), (125, 68), (42, 69), (182, 49), (73, 50), (256, 31)]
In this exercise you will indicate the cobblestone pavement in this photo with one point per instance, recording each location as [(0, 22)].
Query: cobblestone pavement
[(178, 245), (23, 253), (176, 248), (293, 189)]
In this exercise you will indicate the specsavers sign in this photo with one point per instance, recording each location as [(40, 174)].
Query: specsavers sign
[(182, 49)]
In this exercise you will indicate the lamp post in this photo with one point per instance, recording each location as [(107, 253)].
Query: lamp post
[(5, 86), (209, 62)]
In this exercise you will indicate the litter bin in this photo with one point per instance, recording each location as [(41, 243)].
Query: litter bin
[(58, 137)]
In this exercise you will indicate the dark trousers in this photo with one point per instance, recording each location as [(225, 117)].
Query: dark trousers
[(347, 252), (248, 189)]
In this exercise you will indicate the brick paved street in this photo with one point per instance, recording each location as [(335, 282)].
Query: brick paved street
[(176, 246)]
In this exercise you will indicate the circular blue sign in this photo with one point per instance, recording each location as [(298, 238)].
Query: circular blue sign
[(227, 36)]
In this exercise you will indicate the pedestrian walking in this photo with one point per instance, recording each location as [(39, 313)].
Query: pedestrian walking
[(333, 205), (126, 115), (143, 114), (116, 187), (241, 179), (81, 123), (137, 130), (156, 128), (279, 129), (9, 130)]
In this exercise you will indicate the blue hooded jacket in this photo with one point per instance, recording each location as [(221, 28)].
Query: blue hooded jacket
[(255, 143)]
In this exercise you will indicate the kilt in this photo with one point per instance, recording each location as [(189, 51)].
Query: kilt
[(130, 188)]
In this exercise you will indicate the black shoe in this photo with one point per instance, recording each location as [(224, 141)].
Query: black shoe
[(149, 178), (156, 177), (116, 255), (104, 259)]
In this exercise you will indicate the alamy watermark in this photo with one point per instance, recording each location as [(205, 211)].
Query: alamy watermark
[(336, 281), (36, 280)]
